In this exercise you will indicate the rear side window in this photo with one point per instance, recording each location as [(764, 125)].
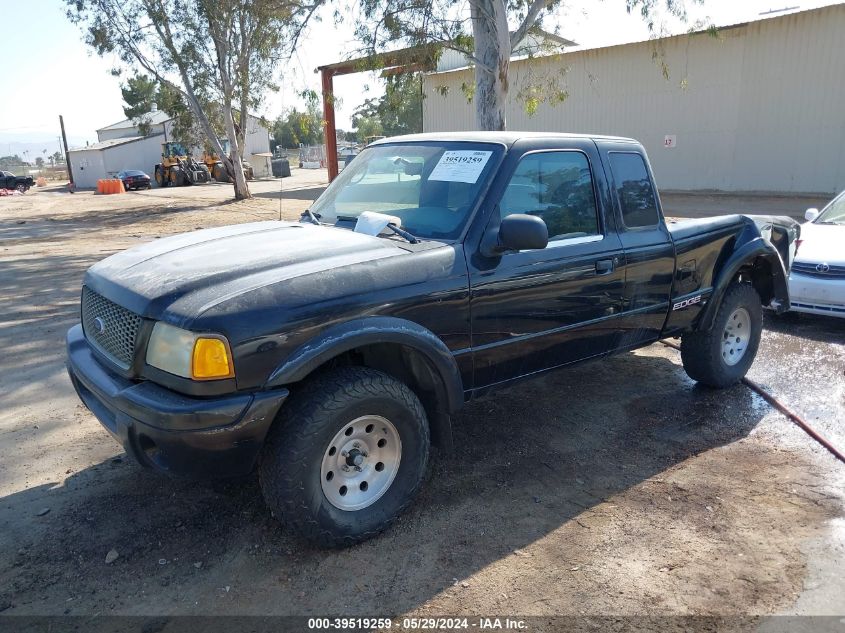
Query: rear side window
[(557, 187), (634, 190)]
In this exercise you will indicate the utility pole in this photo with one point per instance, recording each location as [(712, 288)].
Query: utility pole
[(64, 141)]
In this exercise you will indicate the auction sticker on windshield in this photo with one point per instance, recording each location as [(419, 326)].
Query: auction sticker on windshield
[(460, 166)]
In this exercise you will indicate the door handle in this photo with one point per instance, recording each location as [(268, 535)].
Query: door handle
[(604, 266)]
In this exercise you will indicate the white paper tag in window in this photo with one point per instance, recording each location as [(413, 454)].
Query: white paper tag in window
[(460, 166)]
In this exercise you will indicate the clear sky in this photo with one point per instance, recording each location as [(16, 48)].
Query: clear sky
[(50, 71)]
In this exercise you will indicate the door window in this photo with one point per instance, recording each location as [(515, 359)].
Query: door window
[(634, 190), (557, 187)]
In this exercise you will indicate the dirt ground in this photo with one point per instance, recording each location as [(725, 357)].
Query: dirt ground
[(615, 488)]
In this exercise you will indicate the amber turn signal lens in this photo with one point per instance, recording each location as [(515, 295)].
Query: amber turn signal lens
[(210, 359)]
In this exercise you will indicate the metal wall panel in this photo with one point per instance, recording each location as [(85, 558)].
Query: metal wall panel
[(761, 107)]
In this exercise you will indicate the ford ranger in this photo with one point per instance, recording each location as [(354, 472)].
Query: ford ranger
[(330, 353)]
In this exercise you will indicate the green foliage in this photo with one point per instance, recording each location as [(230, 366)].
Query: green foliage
[(139, 94), (294, 126), (398, 111), (10, 161), (367, 126), (538, 88)]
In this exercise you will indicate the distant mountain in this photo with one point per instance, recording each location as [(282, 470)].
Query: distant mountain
[(9, 145)]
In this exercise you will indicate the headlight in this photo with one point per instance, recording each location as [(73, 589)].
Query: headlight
[(190, 355)]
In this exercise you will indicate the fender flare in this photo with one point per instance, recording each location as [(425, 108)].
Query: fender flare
[(749, 252), (348, 335)]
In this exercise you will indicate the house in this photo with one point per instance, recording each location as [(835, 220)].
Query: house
[(122, 145)]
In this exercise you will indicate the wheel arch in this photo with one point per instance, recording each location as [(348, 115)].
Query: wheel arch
[(403, 349), (758, 263)]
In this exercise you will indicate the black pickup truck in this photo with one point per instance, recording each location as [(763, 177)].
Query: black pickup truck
[(329, 353), (9, 181)]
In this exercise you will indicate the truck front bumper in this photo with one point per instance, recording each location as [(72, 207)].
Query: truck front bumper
[(168, 431)]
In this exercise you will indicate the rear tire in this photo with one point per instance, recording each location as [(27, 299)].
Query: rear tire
[(346, 457), (723, 355)]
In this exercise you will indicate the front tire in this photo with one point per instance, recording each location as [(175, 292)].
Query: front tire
[(723, 355), (347, 456)]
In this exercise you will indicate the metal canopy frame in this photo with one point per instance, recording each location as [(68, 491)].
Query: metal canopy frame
[(414, 59)]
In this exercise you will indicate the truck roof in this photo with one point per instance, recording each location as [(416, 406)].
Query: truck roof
[(506, 138)]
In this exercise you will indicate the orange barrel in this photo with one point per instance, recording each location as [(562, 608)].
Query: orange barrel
[(100, 186), (120, 187)]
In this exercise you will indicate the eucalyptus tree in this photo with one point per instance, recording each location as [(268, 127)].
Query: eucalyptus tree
[(220, 57), (496, 27)]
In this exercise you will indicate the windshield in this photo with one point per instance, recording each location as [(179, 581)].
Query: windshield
[(432, 186), (834, 213)]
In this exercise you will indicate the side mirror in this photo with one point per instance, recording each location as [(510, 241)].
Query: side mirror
[(811, 214), (413, 169), (518, 232)]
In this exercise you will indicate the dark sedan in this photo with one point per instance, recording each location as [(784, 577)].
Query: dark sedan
[(134, 179)]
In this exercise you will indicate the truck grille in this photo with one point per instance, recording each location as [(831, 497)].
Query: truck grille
[(820, 271), (109, 327)]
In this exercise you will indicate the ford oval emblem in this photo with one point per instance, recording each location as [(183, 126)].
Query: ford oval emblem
[(822, 268), (99, 325)]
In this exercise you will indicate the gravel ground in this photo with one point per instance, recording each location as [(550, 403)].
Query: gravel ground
[(615, 488)]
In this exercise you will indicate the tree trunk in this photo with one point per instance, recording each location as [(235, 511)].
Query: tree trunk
[(235, 163), (492, 57)]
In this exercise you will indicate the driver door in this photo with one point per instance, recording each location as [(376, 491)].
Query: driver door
[(537, 309)]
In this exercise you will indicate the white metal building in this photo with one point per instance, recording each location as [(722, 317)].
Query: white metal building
[(122, 146), (158, 121), (105, 159), (538, 42), (761, 107)]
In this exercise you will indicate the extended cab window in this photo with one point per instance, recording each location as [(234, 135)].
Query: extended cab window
[(634, 190), (557, 187)]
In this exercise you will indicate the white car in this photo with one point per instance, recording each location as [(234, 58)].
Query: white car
[(817, 279)]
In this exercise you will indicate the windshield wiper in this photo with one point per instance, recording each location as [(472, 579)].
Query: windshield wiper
[(400, 232), (403, 233), (313, 218)]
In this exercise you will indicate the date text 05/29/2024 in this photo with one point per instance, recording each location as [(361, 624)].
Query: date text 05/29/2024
[(417, 624)]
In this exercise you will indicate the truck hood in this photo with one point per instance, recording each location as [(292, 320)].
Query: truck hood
[(189, 273)]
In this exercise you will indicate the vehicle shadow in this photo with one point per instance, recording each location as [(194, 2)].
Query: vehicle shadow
[(528, 462)]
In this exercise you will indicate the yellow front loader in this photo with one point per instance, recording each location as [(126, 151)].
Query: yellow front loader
[(178, 167), (216, 167)]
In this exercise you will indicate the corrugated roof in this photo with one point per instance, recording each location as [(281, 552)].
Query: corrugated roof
[(154, 118), (113, 143)]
